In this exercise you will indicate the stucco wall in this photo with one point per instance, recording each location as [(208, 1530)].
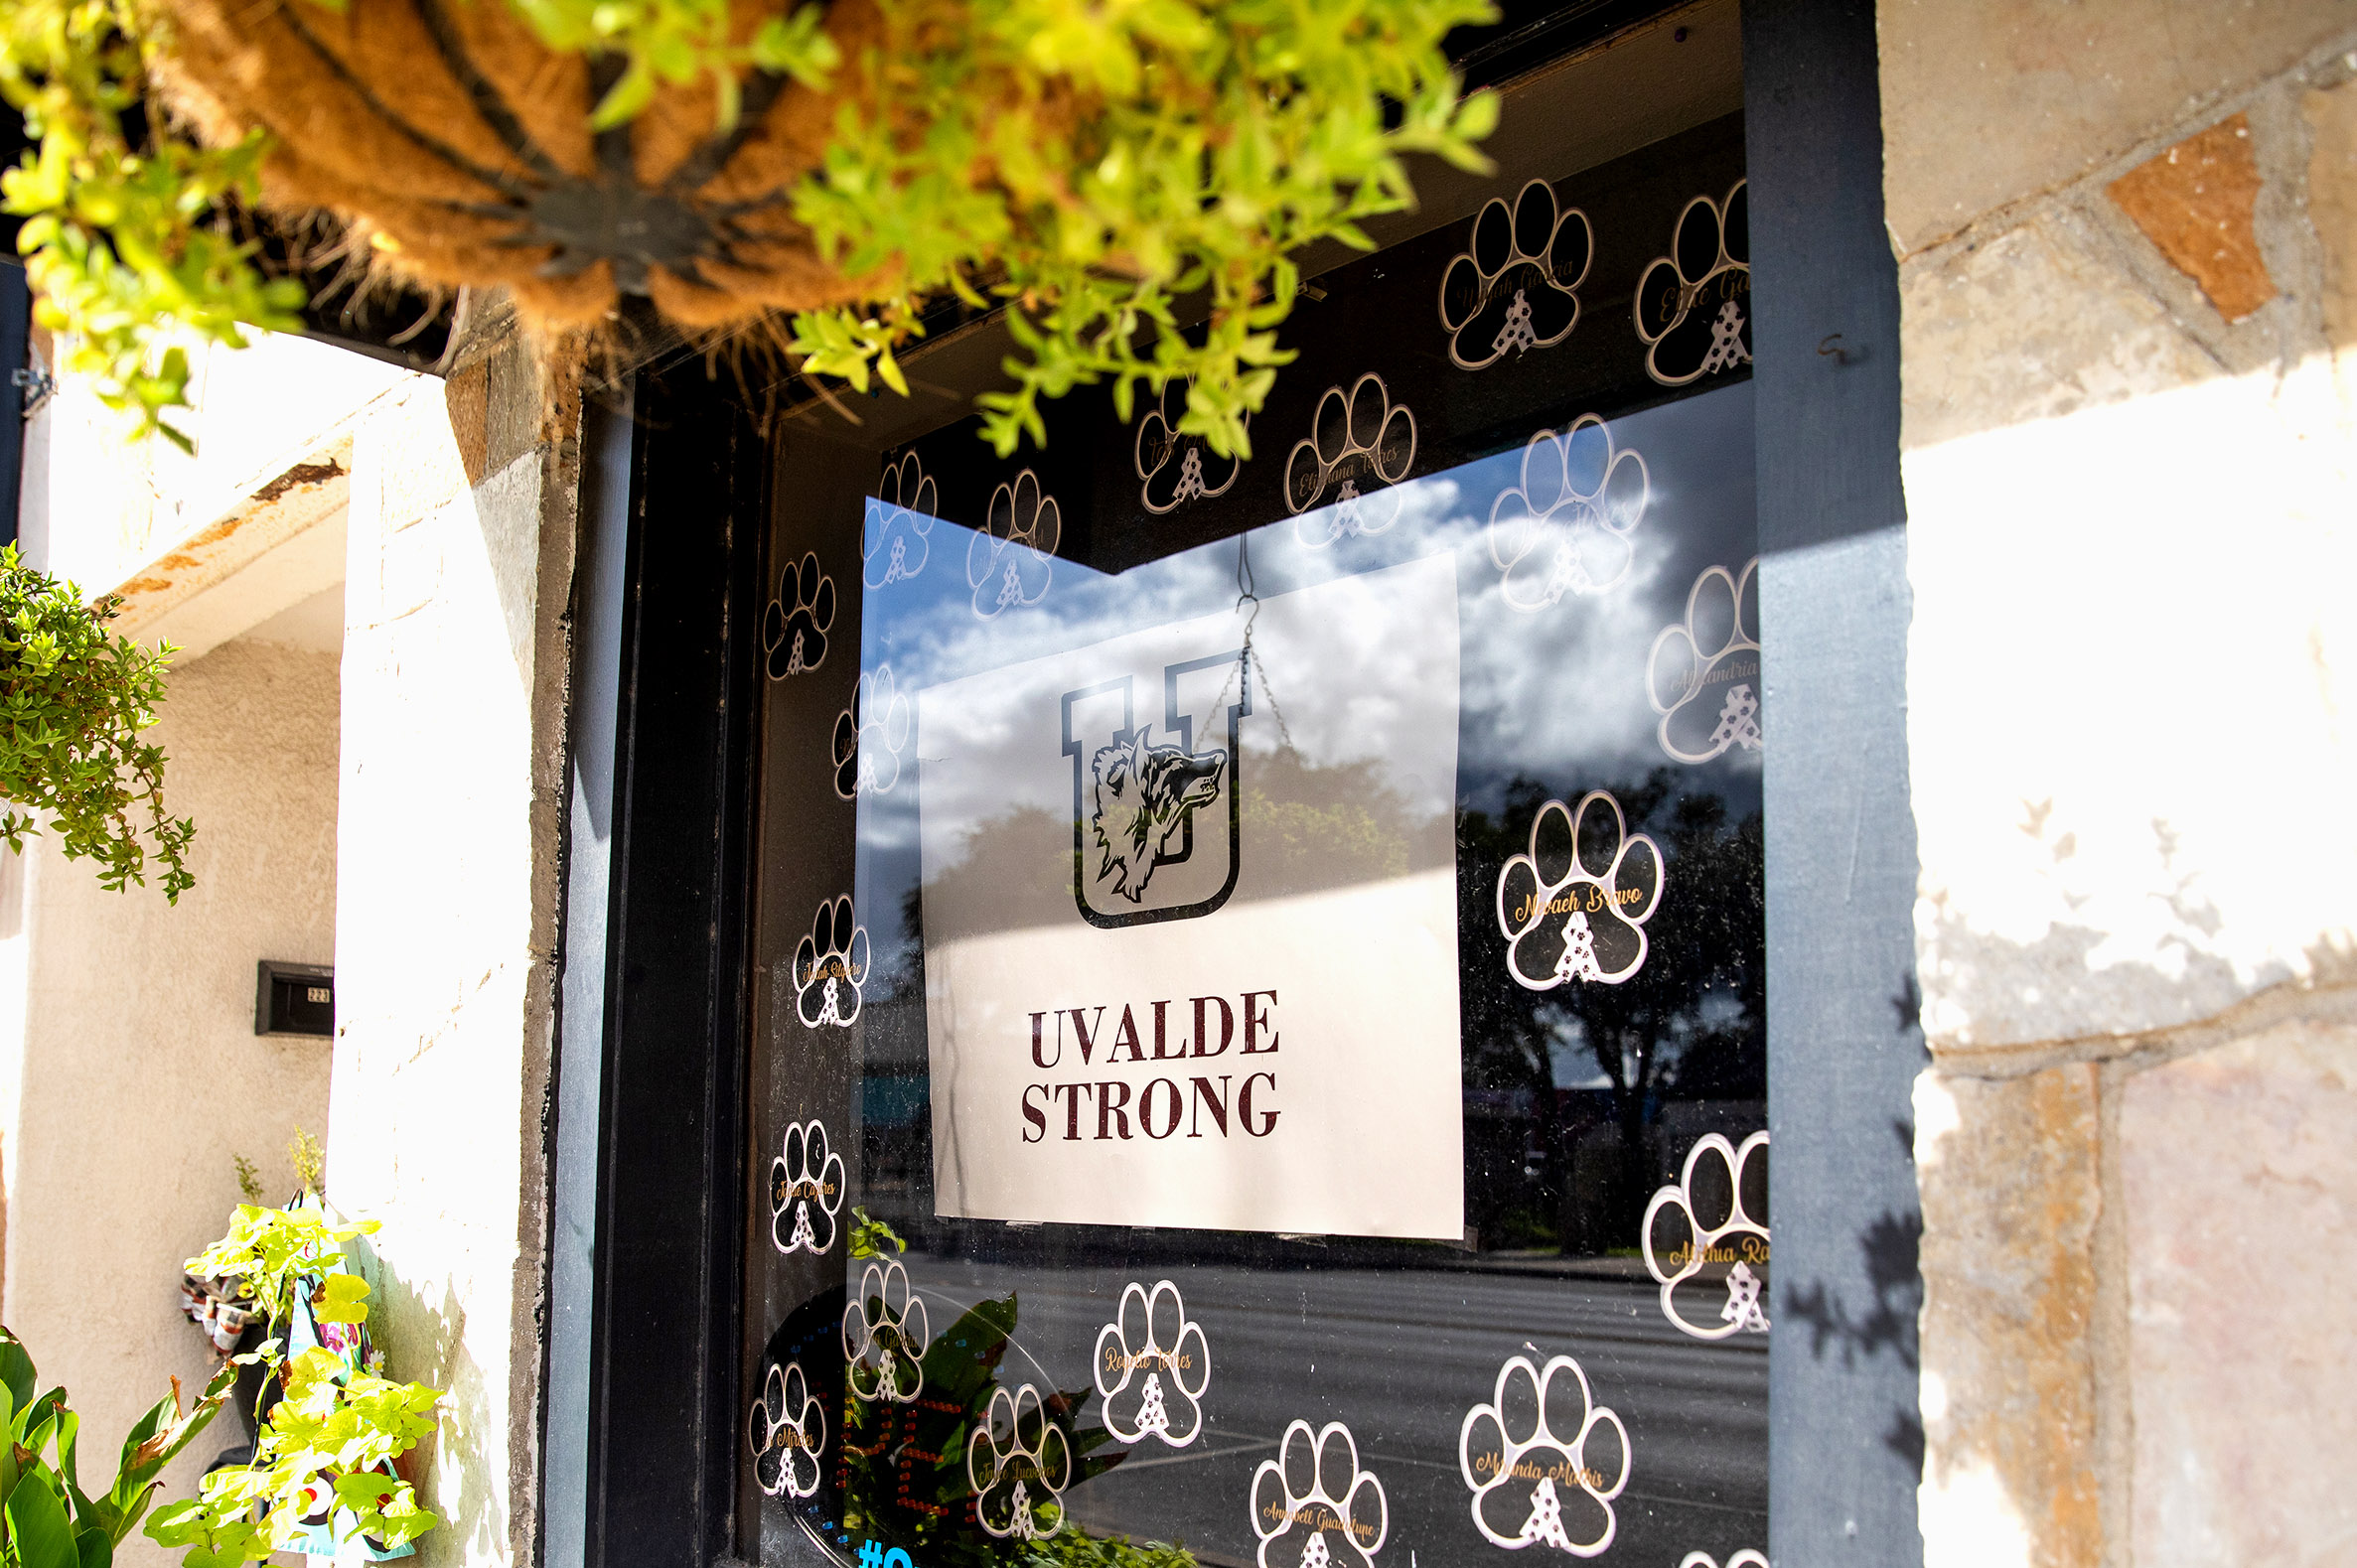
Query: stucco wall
[(141, 1077), (2128, 241), (459, 571)]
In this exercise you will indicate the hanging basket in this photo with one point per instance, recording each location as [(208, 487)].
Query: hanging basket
[(445, 129)]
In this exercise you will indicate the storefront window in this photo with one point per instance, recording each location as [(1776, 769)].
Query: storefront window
[(1280, 942)]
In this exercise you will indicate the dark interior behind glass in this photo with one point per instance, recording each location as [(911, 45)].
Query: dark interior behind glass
[(1522, 421)]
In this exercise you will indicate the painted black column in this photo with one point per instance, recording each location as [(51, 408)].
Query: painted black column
[(1844, 1040)]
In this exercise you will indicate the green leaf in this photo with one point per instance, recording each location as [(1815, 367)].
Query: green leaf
[(38, 1527), (343, 1300), (627, 97), (93, 1548), (69, 1431), (15, 1365)]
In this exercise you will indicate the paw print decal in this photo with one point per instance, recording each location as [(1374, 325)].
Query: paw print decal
[(1019, 1462), (1012, 561), (1565, 530), (830, 965), (1356, 444), (1152, 1367), (1746, 1558), (1703, 678), (806, 1190), (898, 538), (1532, 1458), (1575, 908), (1313, 1507), (1709, 1226), (869, 735), (884, 1336), (1693, 304), (787, 1430), (794, 629), (1515, 287), (1172, 469)]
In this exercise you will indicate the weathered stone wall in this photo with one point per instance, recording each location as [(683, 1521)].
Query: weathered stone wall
[(2128, 242), (454, 666)]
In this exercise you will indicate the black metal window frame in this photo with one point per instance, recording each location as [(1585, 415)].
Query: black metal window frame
[(640, 1423)]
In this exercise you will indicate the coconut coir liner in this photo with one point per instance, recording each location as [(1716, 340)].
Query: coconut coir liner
[(446, 128)]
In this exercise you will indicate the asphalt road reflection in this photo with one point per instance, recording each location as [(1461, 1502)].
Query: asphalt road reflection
[(1400, 1356)]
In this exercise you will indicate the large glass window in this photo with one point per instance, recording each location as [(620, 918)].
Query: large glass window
[(1260, 1045)]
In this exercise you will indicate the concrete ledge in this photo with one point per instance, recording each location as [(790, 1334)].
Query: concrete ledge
[(282, 544)]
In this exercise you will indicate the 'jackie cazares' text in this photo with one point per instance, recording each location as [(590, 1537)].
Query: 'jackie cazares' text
[(1186, 1093)]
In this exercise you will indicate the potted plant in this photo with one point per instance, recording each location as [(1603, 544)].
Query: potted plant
[(1116, 176), (47, 1519), (330, 1471), (74, 699)]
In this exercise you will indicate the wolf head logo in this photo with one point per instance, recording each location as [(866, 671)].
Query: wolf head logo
[(1145, 796), (1140, 790)]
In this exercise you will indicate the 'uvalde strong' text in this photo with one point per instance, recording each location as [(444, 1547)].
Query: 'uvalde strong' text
[(1175, 1016)]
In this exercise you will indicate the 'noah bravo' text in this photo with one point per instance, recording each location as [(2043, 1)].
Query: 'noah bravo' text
[(1182, 1094)]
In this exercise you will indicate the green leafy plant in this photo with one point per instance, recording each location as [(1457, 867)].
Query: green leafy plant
[(124, 241), (870, 1236), (337, 1432), (250, 1180), (309, 1160), (73, 699), (46, 1520), (905, 1479), (272, 1250), (1072, 1548), (1132, 181), (1106, 165), (679, 41), (905, 1465)]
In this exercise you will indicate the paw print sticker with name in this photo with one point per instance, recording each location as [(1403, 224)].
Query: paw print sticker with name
[(1575, 908), (787, 1431), (898, 537), (1313, 1507), (1565, 530), (1515, 288), (1018, 1461), (793, 629), (806, 1190), (1152, 1367), (869, 735), (1011, 561), (1693, 304), (884, 1336), (830, 965), (1358, 444), (1704, 676), (1535, 1463), (1706, 1239), (1174, 469)]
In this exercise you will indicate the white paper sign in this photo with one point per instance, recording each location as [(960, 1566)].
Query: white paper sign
[(1189, 917)]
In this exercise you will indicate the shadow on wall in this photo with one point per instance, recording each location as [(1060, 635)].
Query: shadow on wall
[(422, 1339), (1889, 1249)]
